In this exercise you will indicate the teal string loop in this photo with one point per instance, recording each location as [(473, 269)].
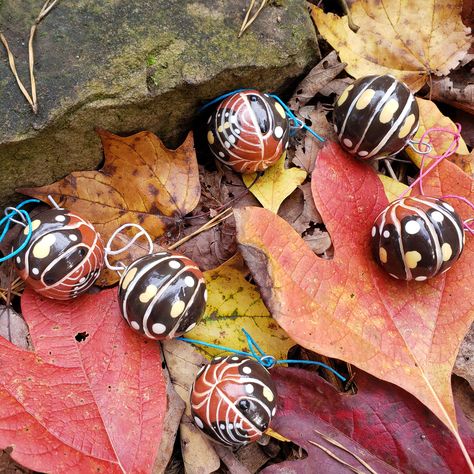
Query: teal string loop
[(6, 221), (297, 123), (268, 361)]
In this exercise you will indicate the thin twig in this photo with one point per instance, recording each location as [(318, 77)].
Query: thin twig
[(339, 445), (389, 168), (327, 451), (208, 225), (246, 23)]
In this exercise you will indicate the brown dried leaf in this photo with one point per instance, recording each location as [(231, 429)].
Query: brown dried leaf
[(464, 365), (14, 328), (319, 77)]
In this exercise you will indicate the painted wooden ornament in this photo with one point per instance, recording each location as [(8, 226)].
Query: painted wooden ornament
[(375, 117), (162, 295), (64, 256), (233, 400), (417, 238), (248, 131)]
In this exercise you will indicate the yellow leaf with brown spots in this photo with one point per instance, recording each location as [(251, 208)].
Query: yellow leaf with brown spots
[(276, 184), (408, 39), (431, 117), (141, 182), (234, 303)]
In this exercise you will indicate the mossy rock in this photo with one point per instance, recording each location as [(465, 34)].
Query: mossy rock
[(128, 66)]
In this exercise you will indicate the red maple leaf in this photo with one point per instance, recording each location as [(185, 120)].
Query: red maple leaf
[(90, 398)]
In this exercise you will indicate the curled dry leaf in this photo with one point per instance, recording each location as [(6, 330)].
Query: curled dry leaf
[(382, 425), (407, 333), (431, 117), (66, 406), (13, 328), (233, 304), (276, 184), (318, 78), (459, 96), (464, 366), (395, 37), (141, 182)]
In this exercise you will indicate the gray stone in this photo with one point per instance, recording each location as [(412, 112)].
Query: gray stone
[(133, 65)]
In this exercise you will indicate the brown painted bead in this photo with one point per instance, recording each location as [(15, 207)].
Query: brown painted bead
[(233, 400), (162, 295), (64, 256), (248, 131), (417, 238), (375, 117)]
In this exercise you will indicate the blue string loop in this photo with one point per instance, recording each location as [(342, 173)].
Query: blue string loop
[(6, 221), (296, 123), (268, 361)]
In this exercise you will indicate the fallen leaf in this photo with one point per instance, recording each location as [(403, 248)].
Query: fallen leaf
[(141, 182), (13, 327), (275, 185), (395, 37), (318, 78), (382, 425), (464, 366), (459, 96), (393, 189), (336, 87), (407, 333), (234, 303), (431, 117), (91, 398), (463, 398)]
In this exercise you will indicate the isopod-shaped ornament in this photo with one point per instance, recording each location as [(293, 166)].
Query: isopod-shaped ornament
[(233, 400), (63, 257), (416, 238), (162, 295), (248, 131), (375, 117)]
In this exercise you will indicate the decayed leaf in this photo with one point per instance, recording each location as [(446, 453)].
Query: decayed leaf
[(233, 304), (407, 39), (141, 182), (13, 327), (459, 96), (276, 184), (91, 398), (464, 366), (319, 77), (382, 425), (407, 333), (431, 117)]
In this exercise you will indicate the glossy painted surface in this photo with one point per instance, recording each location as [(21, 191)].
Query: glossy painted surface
[(248, 131), (233, 400), (162, 295), (417, 238), (375, 117), (64, 256)]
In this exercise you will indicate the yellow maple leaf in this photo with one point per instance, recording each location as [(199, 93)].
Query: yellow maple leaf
[(408, 39), (233, 304), (431, 117), (275, 185)]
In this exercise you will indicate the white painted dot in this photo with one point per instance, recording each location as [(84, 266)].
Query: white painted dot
[(374, 231), (82, 280), (448, 206), (221, 154), (209, 119), (421, 278), (35, 271), (231, 426), (189, 281), (249, 388), (174, 264), (237, 131), (394, 276), (363, 153), (191, 326), (158, 328), (73, 237), (386, 234), (222, 426), (217, 358), (60, 218), (227, 144), (437, 216), (198, 422), (135, 325), (234, 358), (247, 370), (278, 132), (231, 138), (205, 295), (227, 114), (274, 411), (233, 119), (347, 142), (335, 128), (412, 227), (18, 259)]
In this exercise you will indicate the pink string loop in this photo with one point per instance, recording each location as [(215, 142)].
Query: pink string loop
[(437, 159)]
